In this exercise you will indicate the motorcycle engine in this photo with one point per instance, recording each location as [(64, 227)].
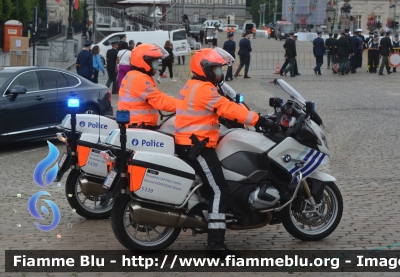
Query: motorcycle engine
[(263, 197)]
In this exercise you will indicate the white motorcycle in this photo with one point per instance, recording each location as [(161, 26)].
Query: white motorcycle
[(271, 174)]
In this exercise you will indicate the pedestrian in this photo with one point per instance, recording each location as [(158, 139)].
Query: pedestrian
[(319, 51), (348, 61), (328, 42), (357, 46), (296, 71), (123, 62), (343, 53), (139, 93), (228, 31), (137, 44), (90, 33), (385, 48), (230, 47), (215, 36), (254, 31), (369, 39), (363, 47), (97, 64), (291, 54), (244, 55), (396, 44), (122, 40), (179, 60), (111, 58), (200, 97), (201, 35), (334, 50), (167, 62), (131, 45), (373, 54), (84, 62)]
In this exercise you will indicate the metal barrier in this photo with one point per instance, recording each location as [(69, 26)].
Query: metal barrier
[(25, 58), (58, 50)]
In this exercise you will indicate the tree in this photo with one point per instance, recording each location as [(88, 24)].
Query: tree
[(77, 15), (6, 10), (255, 7)]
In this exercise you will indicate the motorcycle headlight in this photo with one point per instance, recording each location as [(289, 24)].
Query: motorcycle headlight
[(324, 140)]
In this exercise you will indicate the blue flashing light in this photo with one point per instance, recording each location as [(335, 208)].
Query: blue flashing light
[(239, 98), (73, 103), (312, 106), (280, 101), (123, 117)]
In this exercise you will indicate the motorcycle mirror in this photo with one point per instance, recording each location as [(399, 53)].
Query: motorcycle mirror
[(275, 102)]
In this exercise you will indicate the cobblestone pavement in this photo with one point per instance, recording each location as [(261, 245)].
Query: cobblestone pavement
[(361, 116)]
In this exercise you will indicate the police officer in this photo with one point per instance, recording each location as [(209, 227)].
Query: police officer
[(396, 44), (198, 107), (84, 62), (122, 40), (373, 54), (343, 53), (111, 57), (359, 64), (369, 39), (319, 51), (138, 92), (349, 40), (328, 42), (385, 48), (230, 47), (357, 45), (333, 50)]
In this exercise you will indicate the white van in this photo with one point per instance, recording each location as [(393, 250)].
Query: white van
[(212, 23), (177, 38)]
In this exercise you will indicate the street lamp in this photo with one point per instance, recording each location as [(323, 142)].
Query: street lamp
[(276, 7), (69, 31), (293, 7), (336, 26), (84, 37), (315, 14), (264, 5), (43, 26), (260, 12)]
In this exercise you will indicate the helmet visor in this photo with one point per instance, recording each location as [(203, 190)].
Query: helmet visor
[(155, 52), (219, 57)]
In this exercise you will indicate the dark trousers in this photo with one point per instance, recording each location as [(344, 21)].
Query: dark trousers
[(208, 167), (229, 72), (319, 60), (342, 63), (290, 68), (384, 62), (328, 59), (359, 58), (164, 66), (244, 61), (112, 78), (179, 59), (296, 71), (373, 60), (96, 77)]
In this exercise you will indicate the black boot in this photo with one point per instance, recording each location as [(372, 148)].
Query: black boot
[(219, 248)]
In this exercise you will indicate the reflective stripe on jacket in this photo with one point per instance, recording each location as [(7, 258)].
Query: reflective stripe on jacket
[(198, 107), (138, 94)]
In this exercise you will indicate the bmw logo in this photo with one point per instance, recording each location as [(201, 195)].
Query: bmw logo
[(287, 158), (82, 123), (135, 142)]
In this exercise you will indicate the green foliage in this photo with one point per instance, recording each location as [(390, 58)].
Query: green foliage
[(77, 15), (6, 10)]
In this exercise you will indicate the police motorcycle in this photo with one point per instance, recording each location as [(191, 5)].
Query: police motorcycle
[(83, 189), (83, 134), (271, 173)]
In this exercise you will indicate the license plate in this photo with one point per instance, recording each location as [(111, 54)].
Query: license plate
[(110, 179), (62, 160)]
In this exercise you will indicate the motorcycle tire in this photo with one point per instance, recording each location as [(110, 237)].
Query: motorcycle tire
[(289, 221), (129, 241), (75, 203)]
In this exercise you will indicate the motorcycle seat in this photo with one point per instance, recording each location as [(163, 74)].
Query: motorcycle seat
[(94, 145)]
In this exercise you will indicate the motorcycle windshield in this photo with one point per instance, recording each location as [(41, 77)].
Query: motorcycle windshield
[(281, 89), (228, 90)]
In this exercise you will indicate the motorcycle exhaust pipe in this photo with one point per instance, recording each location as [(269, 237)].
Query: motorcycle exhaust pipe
[(91, 188), (160, 216)]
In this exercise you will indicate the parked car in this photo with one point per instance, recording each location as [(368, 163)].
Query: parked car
[(34, 100), (195, 31)]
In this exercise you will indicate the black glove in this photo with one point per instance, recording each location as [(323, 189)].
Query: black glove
[(266, 123)]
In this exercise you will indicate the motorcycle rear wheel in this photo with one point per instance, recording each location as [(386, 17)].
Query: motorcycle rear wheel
[(136, 236), (84, 204), (309, 226)]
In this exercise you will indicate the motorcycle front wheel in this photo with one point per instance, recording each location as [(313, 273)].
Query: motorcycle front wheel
[(138, 236), (307, 223), (84, 205)]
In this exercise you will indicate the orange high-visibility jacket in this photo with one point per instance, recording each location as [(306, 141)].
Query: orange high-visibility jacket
[(139, 95), (269, 31), (253, 30), (228, 30), (198, 107), (233, 30)]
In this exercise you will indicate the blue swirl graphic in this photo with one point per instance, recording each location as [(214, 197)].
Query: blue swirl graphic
[(34, 212), (45, 163)]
